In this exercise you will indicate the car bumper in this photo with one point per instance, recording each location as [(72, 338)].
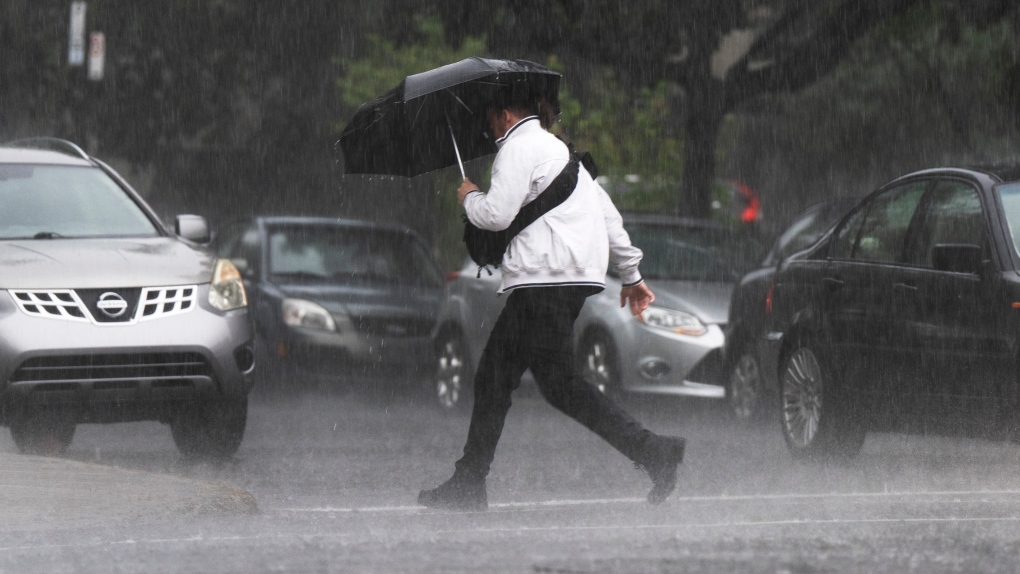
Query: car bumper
[(672, 364), (118, 372), (350, 354)]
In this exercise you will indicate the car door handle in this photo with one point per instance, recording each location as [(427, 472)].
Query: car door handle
[(904, 288), (832, 283)]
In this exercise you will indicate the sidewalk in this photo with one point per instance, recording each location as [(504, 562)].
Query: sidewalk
[(40, 493)]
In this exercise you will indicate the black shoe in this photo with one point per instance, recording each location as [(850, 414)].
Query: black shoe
[(668, 455), (461, 492)]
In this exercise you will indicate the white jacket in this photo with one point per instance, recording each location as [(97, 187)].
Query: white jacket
[(571, 244)]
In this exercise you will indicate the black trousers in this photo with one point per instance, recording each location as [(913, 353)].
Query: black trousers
[(534, 331)]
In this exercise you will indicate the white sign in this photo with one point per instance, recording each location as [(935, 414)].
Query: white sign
[(76, 35), (97, 55)]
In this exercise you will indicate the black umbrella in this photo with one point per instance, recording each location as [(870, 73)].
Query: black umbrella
[(437, 118)]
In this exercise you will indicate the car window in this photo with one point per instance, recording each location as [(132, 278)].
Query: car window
[(1009, 195), (330, 253), (247, 248), (846, 235), (66, 201), (885, 224), (226, 240), (693, 253), (952, 215)]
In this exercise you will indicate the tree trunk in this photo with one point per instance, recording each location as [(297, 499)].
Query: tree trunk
[(706, 106)]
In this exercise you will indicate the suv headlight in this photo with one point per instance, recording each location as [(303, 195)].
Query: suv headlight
[(227, 290), (674, 321), (301, 313)]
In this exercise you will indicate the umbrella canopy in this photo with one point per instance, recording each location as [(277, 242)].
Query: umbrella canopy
[(407, 131)]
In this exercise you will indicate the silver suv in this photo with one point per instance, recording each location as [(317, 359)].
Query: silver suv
[(108, 316)]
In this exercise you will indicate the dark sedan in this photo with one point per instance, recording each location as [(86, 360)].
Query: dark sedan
[(904, 317), (751, 387), (336, 299)]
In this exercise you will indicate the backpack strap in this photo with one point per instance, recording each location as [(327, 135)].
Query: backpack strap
[(556, 193)]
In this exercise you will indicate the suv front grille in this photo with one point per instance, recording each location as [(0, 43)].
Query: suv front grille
[(86, 305), (110, 371)]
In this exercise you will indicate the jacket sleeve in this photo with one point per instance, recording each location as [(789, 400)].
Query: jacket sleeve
[(511, 182), (623, 256)]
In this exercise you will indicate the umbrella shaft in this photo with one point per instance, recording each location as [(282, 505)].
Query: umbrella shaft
[(456, 150)]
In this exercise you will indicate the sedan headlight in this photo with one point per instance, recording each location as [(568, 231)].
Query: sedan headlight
[(227, 290), (674, 321), (301, 313)]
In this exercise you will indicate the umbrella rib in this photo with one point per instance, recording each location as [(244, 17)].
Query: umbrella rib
[(416, 114), (459, 101)]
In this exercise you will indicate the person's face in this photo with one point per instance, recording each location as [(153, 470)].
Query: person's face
[(499, 123)]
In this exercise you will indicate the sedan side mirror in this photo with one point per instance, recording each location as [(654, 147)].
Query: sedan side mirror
[(957, 258), (193, 228)]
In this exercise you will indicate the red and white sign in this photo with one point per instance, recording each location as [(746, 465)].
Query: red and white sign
[(97, 55)]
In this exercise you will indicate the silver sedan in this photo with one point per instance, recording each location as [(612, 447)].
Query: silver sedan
[(676, 349)]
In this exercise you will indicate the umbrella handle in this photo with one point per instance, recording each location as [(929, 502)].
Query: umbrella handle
[(456, 150)]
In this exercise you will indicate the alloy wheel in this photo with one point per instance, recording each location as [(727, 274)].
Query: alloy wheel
[(597, 366), (451, 376), (746, 387), (802, 397)]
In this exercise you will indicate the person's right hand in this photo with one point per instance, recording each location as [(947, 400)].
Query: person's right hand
[(640, 297), (465, 188)]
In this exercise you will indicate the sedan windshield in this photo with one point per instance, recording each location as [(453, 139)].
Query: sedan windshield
[(319, 253), (51, 201), (689, 253), (1009, 193)]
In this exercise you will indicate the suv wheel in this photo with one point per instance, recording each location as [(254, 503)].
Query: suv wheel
[(818, 416), (210, 430), (451, 386), (42, 433)]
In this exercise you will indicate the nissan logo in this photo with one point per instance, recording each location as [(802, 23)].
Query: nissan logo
[(112, 304)]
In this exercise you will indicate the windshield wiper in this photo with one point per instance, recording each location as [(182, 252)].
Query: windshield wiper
[(46, 235)]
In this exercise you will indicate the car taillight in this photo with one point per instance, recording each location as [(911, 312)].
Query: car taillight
[(768, 298), (452, 275)]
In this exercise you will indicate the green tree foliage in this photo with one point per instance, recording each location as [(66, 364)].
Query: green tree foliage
[(921, 90), (383, 62)]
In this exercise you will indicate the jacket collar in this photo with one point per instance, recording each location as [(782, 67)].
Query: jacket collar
[(509, 132)]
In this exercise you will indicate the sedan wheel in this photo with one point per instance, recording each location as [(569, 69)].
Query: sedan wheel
[(747, 388), (452, 378), (597, 364), (818, 418)]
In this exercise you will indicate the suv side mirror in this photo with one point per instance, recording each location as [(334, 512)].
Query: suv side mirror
[(193, 228), (957, 257)]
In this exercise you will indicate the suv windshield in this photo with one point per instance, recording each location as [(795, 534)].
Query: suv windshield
[(694, 253), (330, 253), (48, 201)]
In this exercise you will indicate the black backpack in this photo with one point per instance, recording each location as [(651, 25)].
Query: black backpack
[(487, 247)]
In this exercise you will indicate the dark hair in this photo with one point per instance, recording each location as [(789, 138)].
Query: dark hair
[(547, 115), (519, 101)]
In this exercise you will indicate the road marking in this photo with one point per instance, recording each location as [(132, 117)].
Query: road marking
[(508, 507), (674, 500), (734, 524)]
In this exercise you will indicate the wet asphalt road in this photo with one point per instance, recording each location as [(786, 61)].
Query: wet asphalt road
[(335, 477)]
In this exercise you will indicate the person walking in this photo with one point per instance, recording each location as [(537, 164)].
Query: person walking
[(549, 269)]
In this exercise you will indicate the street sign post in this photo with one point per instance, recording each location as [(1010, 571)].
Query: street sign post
[(76, 35)]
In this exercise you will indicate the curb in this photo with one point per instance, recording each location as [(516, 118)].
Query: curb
[(40, 493)]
